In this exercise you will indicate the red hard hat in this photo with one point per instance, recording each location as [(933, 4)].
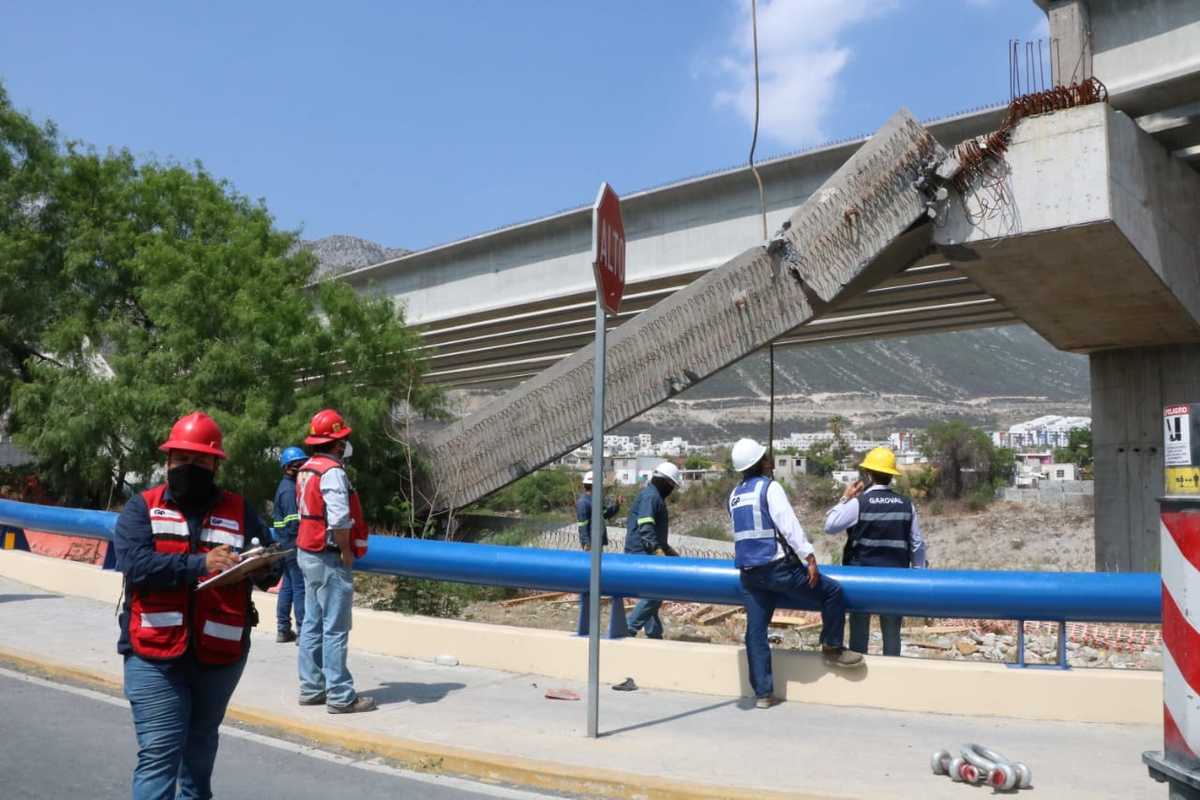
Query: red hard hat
[(197, 433), (326, 425)]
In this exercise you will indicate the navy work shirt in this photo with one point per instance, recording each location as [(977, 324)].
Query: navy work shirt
[(583, 515), (646, 527), (286, 512)]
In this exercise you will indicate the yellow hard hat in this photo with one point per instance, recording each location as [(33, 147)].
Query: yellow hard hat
[(881, 459)]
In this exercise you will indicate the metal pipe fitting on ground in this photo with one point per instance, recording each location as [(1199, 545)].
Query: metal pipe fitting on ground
[(978, 764)]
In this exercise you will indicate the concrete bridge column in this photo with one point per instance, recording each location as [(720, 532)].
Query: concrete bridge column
[(1130, 387)]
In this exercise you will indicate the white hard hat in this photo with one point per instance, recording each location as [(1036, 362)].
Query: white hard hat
[(746, 453), (587, 478), (669, 471)]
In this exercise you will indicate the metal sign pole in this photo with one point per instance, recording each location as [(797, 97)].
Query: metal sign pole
[(597, 526)]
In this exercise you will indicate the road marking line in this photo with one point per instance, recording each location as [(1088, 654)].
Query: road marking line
[(373, 765)]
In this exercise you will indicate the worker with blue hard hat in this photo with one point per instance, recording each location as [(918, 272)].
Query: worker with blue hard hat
[(776, 562), (287, 524)]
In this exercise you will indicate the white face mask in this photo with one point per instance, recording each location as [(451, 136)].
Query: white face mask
[(349, 451)]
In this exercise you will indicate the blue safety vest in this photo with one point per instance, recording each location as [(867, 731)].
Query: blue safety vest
[(882, 537), (754, 534)]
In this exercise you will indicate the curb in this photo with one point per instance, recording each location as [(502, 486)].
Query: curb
[(576, 781)]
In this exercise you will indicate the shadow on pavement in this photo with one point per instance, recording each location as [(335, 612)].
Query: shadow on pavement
[(13, 598), (672, 718), (419, 693)]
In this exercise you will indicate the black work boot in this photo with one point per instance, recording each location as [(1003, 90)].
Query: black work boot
[(360, 704)]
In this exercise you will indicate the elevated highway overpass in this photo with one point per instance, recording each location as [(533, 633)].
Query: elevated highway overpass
[(1094, 249), (500, 306)]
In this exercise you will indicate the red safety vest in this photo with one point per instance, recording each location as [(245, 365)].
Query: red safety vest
[(312, 535), (217, 620)]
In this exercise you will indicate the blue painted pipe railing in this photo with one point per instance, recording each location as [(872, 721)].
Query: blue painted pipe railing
[(1053, 596)]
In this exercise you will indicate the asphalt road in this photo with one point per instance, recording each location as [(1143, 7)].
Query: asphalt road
[(60, 741)]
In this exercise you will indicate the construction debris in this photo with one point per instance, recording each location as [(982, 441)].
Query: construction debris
[(533, 598)]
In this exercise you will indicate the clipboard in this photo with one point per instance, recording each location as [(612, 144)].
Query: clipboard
[(251, 560)]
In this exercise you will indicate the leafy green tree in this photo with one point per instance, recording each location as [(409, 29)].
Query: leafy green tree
[(697, 461), (957, 450), (31, 242), (167, 291), (1078, 450), (821, 459), (541, 491)]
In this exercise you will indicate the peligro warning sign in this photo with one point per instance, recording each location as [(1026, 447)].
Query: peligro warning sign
[(1177, 436)]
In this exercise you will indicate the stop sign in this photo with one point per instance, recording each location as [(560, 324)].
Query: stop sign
[(608, 254)]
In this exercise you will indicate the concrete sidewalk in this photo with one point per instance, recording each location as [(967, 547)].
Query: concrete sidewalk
[(497, 725)]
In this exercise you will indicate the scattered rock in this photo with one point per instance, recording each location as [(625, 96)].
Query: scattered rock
[(967, 647)]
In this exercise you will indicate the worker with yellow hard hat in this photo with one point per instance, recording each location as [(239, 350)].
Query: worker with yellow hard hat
[(882, 531)]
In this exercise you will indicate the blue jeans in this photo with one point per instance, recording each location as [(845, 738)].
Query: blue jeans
[(762, 587), (860, 632), (325, 637), (645, 615), (291, 596), (177, 708)]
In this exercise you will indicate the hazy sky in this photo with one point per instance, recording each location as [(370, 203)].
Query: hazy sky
[(413, 124)]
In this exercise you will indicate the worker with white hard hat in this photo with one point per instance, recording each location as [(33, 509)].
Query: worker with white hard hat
[(881, 531), (775, 562), (646, 534), (583, 515)]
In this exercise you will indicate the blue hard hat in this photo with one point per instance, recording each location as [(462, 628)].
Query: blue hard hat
[(290, 455)]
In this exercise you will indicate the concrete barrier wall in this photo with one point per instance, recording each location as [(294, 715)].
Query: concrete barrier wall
[(1078, 494), (902, 684)]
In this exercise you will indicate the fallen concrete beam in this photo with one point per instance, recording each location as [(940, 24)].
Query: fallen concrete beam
[(839, 242)]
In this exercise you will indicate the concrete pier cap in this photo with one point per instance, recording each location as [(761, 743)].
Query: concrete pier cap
[(1088, 232)]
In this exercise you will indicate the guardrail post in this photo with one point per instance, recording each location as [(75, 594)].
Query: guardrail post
[(13, 539), (110, 556), (1021, 644), (1062, 646)]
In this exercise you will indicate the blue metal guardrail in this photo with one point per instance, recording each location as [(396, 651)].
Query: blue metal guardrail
[(1050, 596)]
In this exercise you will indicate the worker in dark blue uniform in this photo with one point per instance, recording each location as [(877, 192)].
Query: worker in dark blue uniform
[(287, 522), (583, 516), (646, 534)]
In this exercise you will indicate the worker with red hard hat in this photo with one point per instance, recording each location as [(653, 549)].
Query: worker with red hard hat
[(184, 649), (332, 534)]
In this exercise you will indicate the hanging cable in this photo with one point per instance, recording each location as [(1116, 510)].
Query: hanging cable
[(762, 195), (762, 200), (771, 422)]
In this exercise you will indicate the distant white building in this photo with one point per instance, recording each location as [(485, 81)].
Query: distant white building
[(674, 447), (1047, 431), (789, 466), (634, 470)]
